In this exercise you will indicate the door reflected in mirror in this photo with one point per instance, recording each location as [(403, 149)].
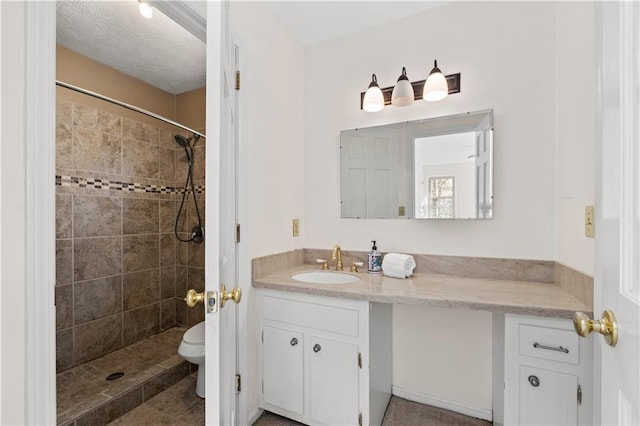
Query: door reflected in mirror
[(438, 168)]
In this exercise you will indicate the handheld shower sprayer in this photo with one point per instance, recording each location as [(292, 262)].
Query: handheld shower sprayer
[(197, 232)]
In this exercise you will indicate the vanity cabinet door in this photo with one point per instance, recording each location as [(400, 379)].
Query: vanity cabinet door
[(334, 382), (283, 375), (547, 397), (548, 377)]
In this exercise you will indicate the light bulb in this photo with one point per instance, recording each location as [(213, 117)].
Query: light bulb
[(403, 91), (146, 10), (373, 99), (436, 87)]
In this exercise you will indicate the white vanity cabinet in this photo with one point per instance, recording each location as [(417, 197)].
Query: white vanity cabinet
[(548, 373), (324, 360)]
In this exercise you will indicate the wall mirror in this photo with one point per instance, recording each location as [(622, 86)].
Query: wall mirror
[(437, 168)]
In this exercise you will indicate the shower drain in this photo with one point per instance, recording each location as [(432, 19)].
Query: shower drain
[(115, 376)]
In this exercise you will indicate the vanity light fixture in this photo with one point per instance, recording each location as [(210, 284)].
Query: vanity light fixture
[(373, 100), (436, 87), (145, 9), (402, 94)]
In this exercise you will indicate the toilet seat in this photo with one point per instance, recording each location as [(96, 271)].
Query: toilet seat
[(195, 335)]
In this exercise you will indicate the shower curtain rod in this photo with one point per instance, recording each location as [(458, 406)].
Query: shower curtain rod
[(127, 106)]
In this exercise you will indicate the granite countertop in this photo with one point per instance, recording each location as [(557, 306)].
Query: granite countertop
[(442, 291)]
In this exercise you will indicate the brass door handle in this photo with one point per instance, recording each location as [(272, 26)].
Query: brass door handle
[(235, 295), (607, 326), (193, 298)]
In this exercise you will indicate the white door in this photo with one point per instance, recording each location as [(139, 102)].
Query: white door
[(617, 229), (369, 176), (483, 174), (220, 255)]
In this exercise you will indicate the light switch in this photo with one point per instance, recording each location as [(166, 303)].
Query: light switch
[(588, 221), (296, 227)]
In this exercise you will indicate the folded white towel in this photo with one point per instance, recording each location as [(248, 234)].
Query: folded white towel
[(398, 265)]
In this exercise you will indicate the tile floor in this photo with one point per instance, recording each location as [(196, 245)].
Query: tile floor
[(178, 405), (150, 366), (400, 412)]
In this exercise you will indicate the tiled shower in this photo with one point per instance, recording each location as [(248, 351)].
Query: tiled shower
[(121, 273)]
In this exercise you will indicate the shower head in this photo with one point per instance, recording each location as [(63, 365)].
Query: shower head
[(186, 142), (182, 141)]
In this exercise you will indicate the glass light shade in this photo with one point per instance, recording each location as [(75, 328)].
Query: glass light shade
[(436, 87), (402, 94), (146, 10), (373, 99)]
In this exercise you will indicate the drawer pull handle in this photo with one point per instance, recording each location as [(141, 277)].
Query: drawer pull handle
[(551, 348), (316, 348), (535, 382), (294, 341)]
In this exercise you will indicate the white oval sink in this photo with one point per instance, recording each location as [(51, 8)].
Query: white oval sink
[(317, 277)]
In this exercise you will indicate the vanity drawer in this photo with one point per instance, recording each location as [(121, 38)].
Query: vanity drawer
[(554, 344), (340, 320)]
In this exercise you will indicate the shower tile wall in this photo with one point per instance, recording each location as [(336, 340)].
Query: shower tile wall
[(120, 272)]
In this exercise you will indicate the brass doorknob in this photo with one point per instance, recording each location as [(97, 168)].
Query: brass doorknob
[(235, 295), (607, 326), (193, 298)]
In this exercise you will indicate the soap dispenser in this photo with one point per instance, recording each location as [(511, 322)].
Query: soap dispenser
[(374, 262)]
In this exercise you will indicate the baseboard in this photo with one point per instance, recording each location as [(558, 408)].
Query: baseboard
[(479, 413), (254, 416)]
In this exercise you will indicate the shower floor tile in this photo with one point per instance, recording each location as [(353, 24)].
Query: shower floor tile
[(84, 388), (177, 405)]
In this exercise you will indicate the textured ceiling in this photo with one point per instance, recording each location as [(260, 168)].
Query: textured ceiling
[(163, 54), (157, 50)]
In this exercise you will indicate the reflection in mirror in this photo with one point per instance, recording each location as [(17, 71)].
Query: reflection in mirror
[(439, 168)]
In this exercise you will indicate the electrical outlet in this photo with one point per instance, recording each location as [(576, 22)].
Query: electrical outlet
[(589, 221), (296, 227), (401, 211)]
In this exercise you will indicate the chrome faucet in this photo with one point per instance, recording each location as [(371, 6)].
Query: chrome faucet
[(337, 257)]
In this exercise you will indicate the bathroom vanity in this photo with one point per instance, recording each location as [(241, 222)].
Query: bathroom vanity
[(325, 350), (324, 360)]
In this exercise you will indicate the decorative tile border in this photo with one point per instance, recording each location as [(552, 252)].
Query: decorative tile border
[(96, 183)]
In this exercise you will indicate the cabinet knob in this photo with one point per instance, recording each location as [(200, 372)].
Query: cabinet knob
[(535, 382), (294, 341), (316, 348)]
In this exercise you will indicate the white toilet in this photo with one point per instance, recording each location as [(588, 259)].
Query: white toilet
[(192, 349)]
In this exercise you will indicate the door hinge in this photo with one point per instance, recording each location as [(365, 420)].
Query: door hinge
[(360, 419), (359, 359), (262, 337), (238, 383), (237, 80), (579, 395), (263, 386), (237, 232)]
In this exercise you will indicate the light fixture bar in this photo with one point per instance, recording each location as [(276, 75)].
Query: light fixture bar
[(453, 81)]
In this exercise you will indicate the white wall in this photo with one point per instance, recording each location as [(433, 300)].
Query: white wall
[(501, 49), (271, 187), (273, 91), (12, 227), (575, 133), (507, 55)]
